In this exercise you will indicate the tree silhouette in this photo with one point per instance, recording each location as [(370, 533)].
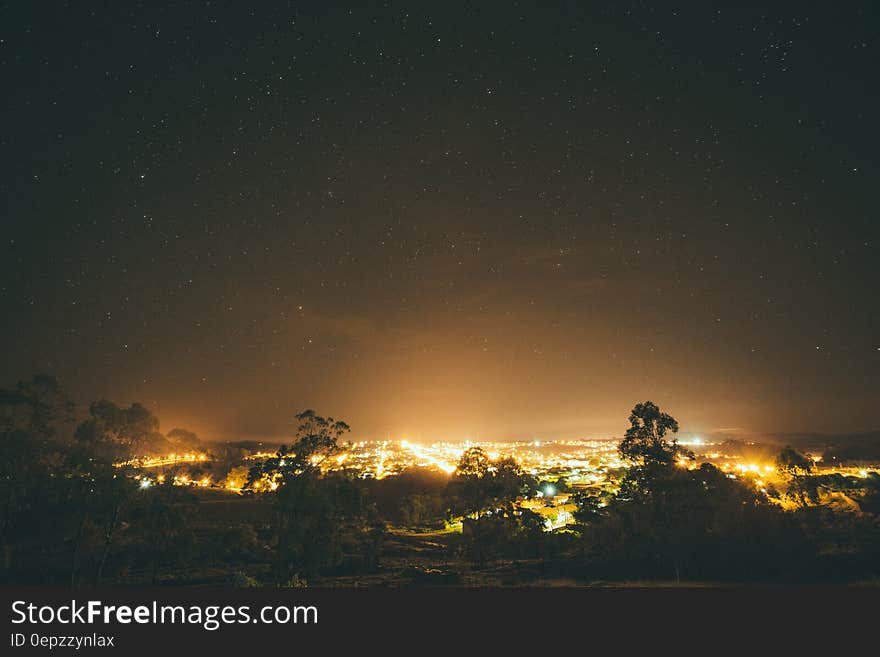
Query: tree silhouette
[(129, 429), (104, 445), (470, 486), (33, 444), (792, 462), (474, 462), (480, 487), (312, 509), (665, 521), (183, 439), (645, 441), (316, 438)]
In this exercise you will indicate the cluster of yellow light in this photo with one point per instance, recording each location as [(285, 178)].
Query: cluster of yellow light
[(186, 480), (428, 458), (579, 461), (576, 460), (236, 479), (168, 459), (754, 468), (266, 483), (179, 480), (260, 456)]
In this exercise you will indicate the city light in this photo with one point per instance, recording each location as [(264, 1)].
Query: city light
[(584, 464)]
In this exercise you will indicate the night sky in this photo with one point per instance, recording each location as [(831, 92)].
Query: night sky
[(439, 221)]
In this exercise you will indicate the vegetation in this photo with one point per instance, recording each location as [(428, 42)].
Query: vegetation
[(77, 509)]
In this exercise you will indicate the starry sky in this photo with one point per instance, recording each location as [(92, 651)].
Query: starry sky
[(444, 220)]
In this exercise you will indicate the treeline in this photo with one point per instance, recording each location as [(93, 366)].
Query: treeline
[(69, 505), (76, 510)]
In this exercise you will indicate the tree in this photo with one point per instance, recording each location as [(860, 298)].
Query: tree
[(800, 489), (695, 524), (645, 441), (316, 439), (479, 484), (665, 521), (130, 429), (183, 439), (470, 485), (509, 481), (33, 443), (313, 509), (481, 487), (793, 463), (413, 510), (104, 445), (39, 406), (590, 506), (474, 462)]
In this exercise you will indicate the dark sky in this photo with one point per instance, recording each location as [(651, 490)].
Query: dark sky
[(433, 221)]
